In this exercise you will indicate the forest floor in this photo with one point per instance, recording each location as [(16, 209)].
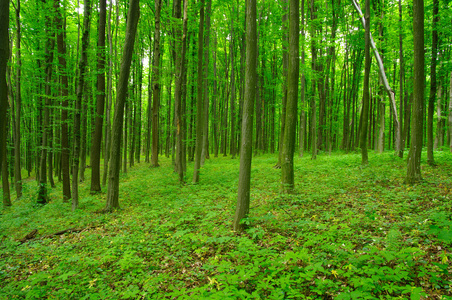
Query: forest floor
[(348, 233)]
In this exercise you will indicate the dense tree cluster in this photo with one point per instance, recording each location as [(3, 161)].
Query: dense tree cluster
[(118, 80)]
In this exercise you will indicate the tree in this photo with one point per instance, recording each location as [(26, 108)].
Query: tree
[(366, 92), (199, 100), (97, 138), (113, 176), (4, 54), (243, 194), (50, 44), (414, 156), (288, 147), (180, 74), (17, 133), (64, 113), (431, 98), (78, 104), (156, 87)]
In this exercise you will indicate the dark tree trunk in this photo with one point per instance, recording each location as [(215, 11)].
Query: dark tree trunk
[(199, 100), (292, 98), (366, 93), (100, 97), (109, 99), (243, 195), (205, 144), (414, 156), (50, 44), (113, 176), (156, 87), (78, 104), (4, 54), (17, 153), (431, 99)]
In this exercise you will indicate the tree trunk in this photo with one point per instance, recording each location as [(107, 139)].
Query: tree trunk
[(17, 153), (414, 156), (388, 89), (156, 87), (285, 61), (243, 194), (50, 44), (4, 54), (109, 99), (450, 113), (292, 99), (205, 144), (180, 74), (366, 94), (113, 176), (313, 84), (431, 98), (78, 103), (199, 100), (100, 103)]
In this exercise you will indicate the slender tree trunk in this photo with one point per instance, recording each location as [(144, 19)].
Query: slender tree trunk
[(414, 156), (401, 76), (199, 100), (109, 99), (50, 44), (100, 97), (180, 74), (113, 176), (243, 195), (5, 178), (78, 103), (313, 84), (4, 54), (431, 99), (450, 113), (156, 87), (17, 152), (285, 61), (366, 94), (292, 98), (205, 143)]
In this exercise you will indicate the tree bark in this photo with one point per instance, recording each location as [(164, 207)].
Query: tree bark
[(113, 176), (50, 44), (4, 54), (199, 100), (292, 99), (205, 143), (78, 103), (285, 62), (109, 99), (17, 152), (156, 87), (100, 103), (180, 73), (366, 94), (450, 113), (431, 98), (414, 156), (243, 194)]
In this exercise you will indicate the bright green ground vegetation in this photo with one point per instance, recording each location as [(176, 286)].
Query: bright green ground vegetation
[(348, 233)]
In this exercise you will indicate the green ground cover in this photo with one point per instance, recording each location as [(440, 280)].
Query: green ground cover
[(348, 233)]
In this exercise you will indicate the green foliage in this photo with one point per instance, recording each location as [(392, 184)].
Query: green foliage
[(347, 233)]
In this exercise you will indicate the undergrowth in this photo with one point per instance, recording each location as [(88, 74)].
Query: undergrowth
[(349, 232)]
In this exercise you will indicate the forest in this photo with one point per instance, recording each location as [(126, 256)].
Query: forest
[(220, 149)]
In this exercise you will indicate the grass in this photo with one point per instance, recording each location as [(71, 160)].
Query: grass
[(347, 233)]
